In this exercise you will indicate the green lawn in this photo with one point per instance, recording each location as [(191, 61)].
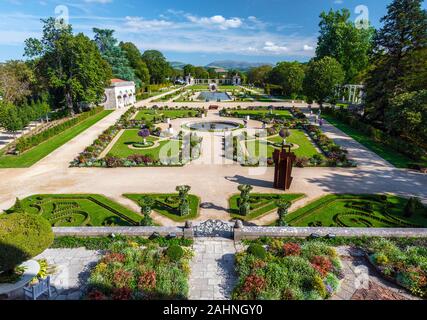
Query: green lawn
[(306, 147), (129, 137), (149, 115), (261, 204), (75, 210), (387, 153), (32, 156), (167, 205), (278, 114), (357, 211)]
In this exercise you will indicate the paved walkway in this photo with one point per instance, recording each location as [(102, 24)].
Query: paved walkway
[(212, 269), (72, 270)]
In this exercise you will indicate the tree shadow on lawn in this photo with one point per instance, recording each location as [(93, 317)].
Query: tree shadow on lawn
[(399, 182)]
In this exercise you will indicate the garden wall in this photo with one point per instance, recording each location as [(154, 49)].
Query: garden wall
[(251, 233), (123, 231), (248, 233)]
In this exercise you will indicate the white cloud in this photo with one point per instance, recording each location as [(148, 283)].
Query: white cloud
[(274, 48), (138, 23), (308, 48), (217, 21), (99, 1)]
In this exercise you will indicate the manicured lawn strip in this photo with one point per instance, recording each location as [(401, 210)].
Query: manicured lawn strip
[(306, 147), (149, 115), (97, 207), (281, 114), (103, 243), (396, 159), (37, 153), (166, 211), (323, 212), (263, 208), (121, 148)]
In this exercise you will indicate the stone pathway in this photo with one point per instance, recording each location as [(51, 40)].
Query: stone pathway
[(362, 282), (72, 270), (212, 269)]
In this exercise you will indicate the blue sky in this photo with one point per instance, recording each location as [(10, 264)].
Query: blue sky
[(191, 31)]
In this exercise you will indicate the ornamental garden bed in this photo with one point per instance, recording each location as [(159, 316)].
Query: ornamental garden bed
[(129, 150), (303, 137), (168, 205), (288, 271), (406, 265), (85, 210), (161, 114), (363, 211), (260, 204), (131, 272)]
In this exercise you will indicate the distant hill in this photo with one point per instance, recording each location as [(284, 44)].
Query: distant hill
[(238, 65), (225, 64), (177, 65)]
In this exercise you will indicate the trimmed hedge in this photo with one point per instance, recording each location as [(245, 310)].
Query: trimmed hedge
[(22, 237), (25, 143), (175, 253)]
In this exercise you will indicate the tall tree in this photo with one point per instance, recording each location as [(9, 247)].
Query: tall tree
[(399, 57), (71, 66), (288, 75), (113, 54), (201, 73), (157, 65), (16, 78), (189, 69), (341, 39), (321, 79), (258, 76), (135, 59)]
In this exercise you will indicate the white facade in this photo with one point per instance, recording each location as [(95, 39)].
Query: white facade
[(119, 94)]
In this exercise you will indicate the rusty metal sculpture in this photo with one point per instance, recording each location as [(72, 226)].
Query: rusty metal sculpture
[(284, 160)]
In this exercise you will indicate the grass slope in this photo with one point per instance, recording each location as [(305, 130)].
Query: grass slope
[(395, 158), (32, 156)]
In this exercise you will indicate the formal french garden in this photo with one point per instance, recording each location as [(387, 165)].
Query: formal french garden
[(363, 211), (77, 210)]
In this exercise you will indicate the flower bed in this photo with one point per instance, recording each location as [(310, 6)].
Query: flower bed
[(407, 267), (288, 271), (90, 157), (131, 272)]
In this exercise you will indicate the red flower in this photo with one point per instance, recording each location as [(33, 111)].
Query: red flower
[(147, 281), (292, 249), (254, 284), (322, 264), (96, 295), (114, 257), (122, 278), (122, 294)]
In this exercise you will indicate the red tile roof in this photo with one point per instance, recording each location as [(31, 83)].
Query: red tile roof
[(117, 80)]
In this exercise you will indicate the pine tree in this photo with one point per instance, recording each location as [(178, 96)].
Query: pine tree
[(397, 46)]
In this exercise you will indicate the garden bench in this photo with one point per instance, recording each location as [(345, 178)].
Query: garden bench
[(36, 291)]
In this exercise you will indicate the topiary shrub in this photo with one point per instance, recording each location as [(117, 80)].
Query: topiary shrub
[(22, 237), (257, 251), (175, 253)]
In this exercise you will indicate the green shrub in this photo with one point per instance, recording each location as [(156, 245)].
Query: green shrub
[(257, 251), (22, 237), (175, 253)]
